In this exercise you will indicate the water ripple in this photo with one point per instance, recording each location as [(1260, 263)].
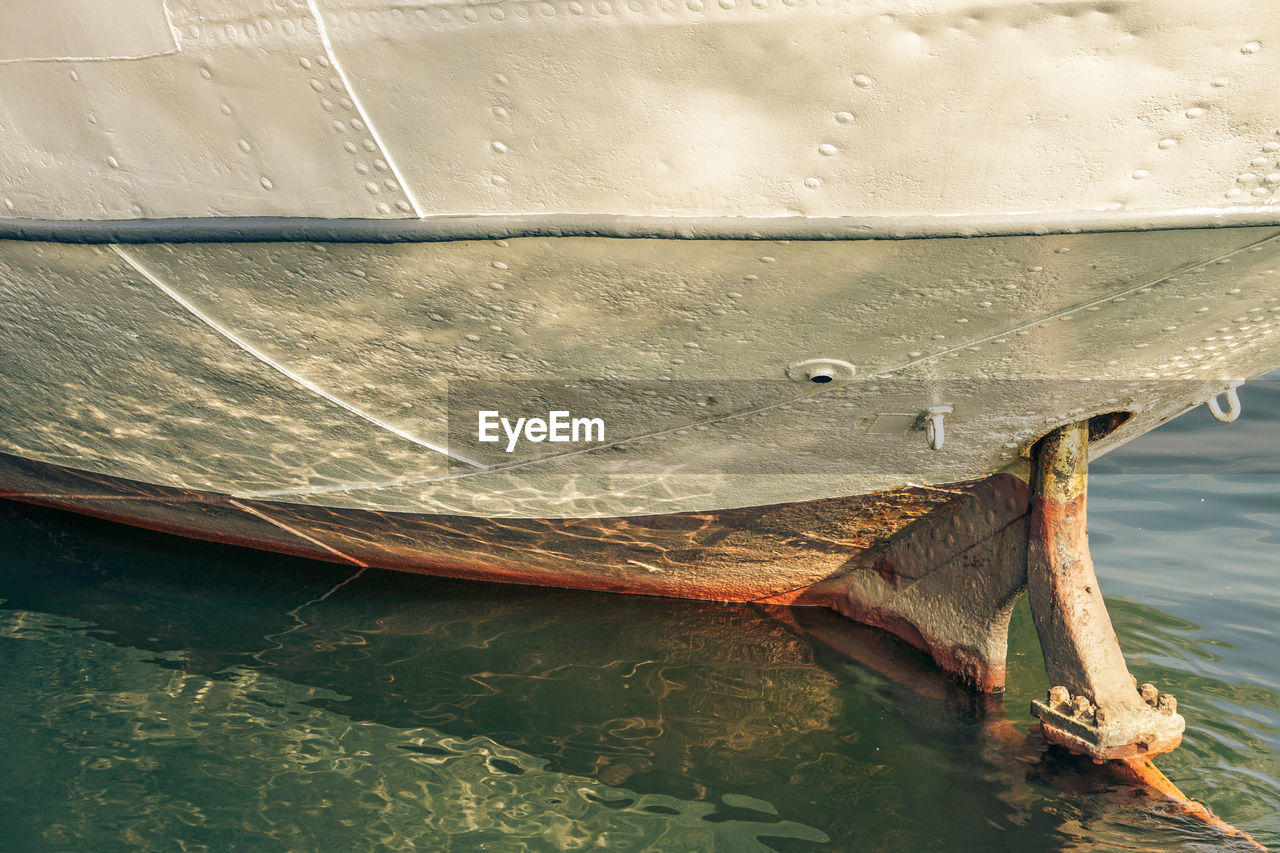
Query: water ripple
[(129, 753)]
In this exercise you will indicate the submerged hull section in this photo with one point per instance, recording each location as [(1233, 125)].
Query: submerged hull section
[(939, 567), (771, 552)]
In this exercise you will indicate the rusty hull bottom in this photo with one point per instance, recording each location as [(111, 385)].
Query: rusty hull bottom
[(939, 567)]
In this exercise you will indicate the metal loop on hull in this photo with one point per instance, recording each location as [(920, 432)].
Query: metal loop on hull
[(1233, 404), (934, 429)]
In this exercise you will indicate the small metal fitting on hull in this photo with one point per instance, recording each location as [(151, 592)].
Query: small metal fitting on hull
[(1095, 708)]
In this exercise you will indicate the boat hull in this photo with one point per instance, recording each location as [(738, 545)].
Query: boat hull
[(350, 375), (758, 553), (321, 399), (938, 567)]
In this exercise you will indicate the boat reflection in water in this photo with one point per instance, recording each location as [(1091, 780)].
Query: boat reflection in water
[(211, 694)]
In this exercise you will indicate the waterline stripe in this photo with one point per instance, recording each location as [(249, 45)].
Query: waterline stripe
[(439, 229)]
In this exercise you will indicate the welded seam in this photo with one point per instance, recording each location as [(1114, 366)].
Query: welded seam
[(280, 368), (1074, 309), (298, 533), (323, 32)]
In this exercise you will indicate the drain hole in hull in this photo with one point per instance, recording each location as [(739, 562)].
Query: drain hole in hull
[(1101, 426)]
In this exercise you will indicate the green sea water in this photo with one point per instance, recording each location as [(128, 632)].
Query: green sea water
[(167, 695)]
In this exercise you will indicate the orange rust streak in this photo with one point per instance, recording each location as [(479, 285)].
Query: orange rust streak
[(1141, 772), (287, 529), (1138, 772), (729, 555)]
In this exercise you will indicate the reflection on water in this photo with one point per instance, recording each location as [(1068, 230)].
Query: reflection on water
[(141, 749), (164, 695)]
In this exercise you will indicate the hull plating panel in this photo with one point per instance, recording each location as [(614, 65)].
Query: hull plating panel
[(326, 374)]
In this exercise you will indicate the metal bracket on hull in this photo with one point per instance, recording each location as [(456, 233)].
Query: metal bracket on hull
[(947, 584), (1095, 707)]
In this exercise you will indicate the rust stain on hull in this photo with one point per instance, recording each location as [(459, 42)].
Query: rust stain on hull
[(937, 566), (748, 554)]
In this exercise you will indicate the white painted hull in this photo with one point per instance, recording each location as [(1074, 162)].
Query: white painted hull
[(872, 109), (590, 191)]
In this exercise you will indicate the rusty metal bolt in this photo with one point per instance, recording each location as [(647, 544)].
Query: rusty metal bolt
[(1059, 696), (1167, 704), (1100, 715), (1081, 706), (1149, 693)]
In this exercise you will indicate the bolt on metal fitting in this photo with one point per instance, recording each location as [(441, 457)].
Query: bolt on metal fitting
[(1081, 706)]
